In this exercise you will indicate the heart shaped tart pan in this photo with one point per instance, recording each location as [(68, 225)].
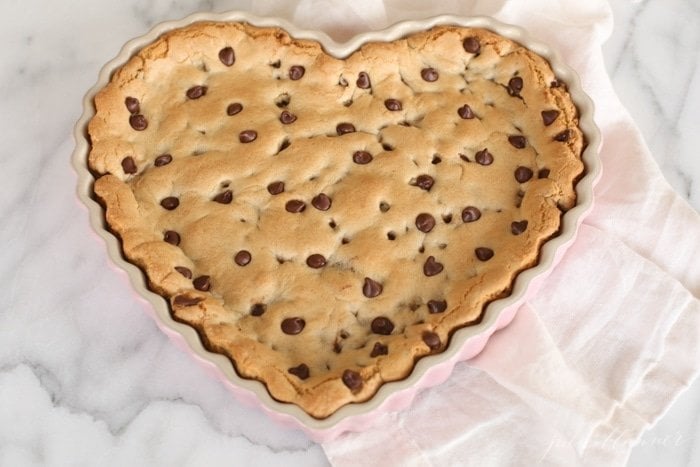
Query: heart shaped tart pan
[(325, 216)]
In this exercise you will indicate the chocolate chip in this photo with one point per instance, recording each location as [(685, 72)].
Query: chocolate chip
[(316, 261), (301, 371), (543, 173), (465, 112), (371, 288), (384, 206), (548, 116), (170, 203), (171, 237), (425, 182), (391, 236), (429, 74), (563, 136), (195, 92), (202, 283), (437, 306), (432, 340), (379, 349), (363, 81), (132, 105), (517, 141), (447, 218), (523, 174), (287, 117), (292, 326), (284, 145), (275, 188), (321, 202), (296, 72), (227, 56), (257, 309), (247, 136), (362, 157), (484, 157), (225, 197), (393, 105), (187, 300), (163, 159), (352, 380), (425, 222), (515, 85), (436, 160), (128, 165), (483, 253), (432, 267), (471, 45), (234, 108), (470, 214), (138, 122), (382, 325), (243, 258), (184, 271), (295, 206), (518, 227), (343, 128)]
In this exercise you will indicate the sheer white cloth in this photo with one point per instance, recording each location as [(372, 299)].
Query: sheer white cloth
[(612, 337)]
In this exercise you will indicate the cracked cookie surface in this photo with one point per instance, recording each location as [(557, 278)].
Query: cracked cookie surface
[(322, 222)]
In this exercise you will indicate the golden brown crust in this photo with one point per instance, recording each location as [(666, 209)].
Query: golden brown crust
[(370, 228)]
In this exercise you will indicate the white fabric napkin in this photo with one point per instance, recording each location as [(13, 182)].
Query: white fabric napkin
[(614, 334)]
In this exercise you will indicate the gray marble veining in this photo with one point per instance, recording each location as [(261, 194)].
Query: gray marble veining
[(652, 58)]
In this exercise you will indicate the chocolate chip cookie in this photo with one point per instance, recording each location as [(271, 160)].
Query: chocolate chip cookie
[(327, 222)]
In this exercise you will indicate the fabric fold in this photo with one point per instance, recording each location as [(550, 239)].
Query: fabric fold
[(557, 386), (612, 337)]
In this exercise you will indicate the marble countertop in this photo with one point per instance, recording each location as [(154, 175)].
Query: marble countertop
[(86, 377)]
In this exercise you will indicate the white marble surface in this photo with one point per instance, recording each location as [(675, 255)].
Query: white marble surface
[(86, 378), (649, 38)]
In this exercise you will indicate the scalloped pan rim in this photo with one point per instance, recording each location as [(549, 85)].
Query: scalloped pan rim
[(465, 343)]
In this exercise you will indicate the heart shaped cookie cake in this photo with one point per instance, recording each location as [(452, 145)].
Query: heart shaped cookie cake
[(327, 222)]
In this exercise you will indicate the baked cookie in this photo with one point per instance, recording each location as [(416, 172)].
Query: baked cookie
[(325, 223)]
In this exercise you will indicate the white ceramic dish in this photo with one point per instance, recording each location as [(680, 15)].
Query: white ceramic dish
[(465, 343)]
